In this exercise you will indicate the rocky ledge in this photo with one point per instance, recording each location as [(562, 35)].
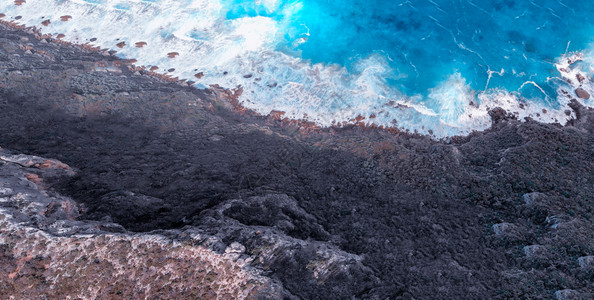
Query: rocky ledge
[(152, 189)]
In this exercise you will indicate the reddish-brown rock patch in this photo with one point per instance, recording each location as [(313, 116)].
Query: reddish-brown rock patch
[(34, 178), (580, 92), (52, 164), (277, 114)]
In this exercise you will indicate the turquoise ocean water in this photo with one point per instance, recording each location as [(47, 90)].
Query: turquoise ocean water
[(432, 66)]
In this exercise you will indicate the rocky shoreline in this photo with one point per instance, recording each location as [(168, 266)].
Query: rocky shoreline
[(154, 184)]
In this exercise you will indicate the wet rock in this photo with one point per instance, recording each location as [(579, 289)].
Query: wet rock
[(580, 77), (583, 94), (499, 114)]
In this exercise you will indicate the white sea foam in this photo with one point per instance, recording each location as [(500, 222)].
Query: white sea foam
[(241, 52)]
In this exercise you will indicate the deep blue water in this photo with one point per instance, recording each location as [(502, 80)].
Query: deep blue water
[(426, 41)]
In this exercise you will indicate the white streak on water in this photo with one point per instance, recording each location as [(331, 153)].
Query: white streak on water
[(538, 87), (478, 7), (565, 5), (490, 74), (437, 6)]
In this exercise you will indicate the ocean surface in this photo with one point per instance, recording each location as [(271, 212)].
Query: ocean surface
[(429, 66)]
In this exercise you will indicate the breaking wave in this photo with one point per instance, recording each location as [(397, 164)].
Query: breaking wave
[(432, 67)]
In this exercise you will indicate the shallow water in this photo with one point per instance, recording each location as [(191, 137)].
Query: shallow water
[(432, 66)]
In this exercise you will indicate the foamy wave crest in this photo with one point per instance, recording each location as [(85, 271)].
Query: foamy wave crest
[(194, 40)]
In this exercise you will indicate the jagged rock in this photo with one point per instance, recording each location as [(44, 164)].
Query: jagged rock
[(263, 226), (99, 263), (554, 221), (534, 251), (278, 211), (535, 198), (6, 192), (580, 77), (586, 262), (505, 229), (499, 114), (568, 294), (235, 247)]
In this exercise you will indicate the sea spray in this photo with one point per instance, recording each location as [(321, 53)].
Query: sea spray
[(433, 67)]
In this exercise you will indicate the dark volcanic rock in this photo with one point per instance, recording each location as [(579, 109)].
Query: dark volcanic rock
[(334, 213), (580, 77), (134, 211), (277, 211), (499, 114)]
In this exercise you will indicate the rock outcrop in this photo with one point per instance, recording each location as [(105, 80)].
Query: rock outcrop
[(45, 251)]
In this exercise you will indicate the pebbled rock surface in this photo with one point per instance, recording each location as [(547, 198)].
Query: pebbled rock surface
[(294, 211)]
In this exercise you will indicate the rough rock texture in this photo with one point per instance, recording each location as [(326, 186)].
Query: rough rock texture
[(46, 253), (312, 213)]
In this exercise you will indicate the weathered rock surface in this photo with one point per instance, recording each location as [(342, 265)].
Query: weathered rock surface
[(45, 252), (316, 214)]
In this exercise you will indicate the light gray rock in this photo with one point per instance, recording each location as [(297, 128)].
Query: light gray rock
[(502, 229), (586, 262), (534, 251), (531, 199), (568, 294), (6, 192), (235, 247)]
